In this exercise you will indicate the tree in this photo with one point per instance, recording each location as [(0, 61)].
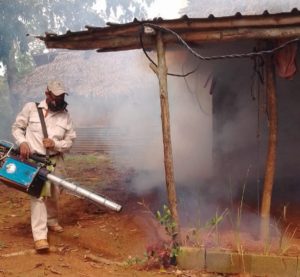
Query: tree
[(20, 17)]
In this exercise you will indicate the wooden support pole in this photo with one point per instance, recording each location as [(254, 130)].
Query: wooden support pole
[(272, 148), (166, 130)]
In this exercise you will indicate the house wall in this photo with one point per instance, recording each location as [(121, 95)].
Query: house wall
[(241, 129)]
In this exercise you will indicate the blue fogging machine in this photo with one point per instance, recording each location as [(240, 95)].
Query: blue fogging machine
[(29, 177)]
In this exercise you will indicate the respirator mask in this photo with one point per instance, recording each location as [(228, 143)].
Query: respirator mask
[(56, 106)]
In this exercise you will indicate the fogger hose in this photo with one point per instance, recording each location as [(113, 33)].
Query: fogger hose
[(85, 193)]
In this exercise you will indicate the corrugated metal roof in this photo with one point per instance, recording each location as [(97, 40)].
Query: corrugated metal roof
[(116, 37)]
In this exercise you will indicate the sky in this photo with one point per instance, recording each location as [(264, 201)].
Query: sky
[(169, 9), (166, 8), (159, 8)]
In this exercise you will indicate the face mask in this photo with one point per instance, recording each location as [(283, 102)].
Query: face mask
[(56, 107)]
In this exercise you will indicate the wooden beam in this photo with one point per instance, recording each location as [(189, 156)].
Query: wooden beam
[(261, 21), (166, 130), (272, 149), (183, 24), (117, 43)]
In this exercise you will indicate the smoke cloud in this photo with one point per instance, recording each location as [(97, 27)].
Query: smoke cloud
[(218, 128)]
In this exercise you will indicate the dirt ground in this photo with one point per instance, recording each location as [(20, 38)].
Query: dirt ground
[(100, 242), (95, 241)]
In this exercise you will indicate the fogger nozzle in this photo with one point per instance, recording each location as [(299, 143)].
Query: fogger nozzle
[(85, 193)]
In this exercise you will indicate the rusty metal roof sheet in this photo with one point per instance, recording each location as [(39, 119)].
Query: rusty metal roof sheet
[(116, 37)]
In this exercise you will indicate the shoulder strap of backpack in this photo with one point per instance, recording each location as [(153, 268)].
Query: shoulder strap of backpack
[(42, 119)]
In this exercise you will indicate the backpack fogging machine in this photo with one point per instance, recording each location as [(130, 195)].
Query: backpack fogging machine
[(29, 177)]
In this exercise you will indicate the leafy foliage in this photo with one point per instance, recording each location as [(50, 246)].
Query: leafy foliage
[(172, 248), (165, 218), (19, 17), (158, 255)]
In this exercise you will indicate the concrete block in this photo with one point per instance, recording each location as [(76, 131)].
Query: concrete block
[(226, 262), (191, 258), (216, 261), (282, 266)]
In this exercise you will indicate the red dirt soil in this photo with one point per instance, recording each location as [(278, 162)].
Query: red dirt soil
[(96, 241), (89, 232)]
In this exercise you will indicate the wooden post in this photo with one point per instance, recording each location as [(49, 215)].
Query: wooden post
[(272, 145), (165, 118)]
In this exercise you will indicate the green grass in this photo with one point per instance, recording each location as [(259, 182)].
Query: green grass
[(93, 171), (82, 161)]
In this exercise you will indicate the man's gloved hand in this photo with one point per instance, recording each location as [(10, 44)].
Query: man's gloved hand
[(24, 150), (48, 143)]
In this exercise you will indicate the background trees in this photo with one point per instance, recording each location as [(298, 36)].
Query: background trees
[(21, 17)]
